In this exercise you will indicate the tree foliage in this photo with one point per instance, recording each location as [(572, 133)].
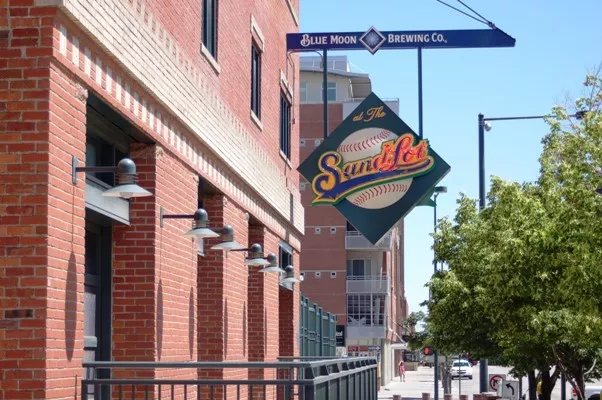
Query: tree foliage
[(525, 274)]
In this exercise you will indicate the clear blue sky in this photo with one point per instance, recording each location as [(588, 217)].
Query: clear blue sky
[(557, 43)]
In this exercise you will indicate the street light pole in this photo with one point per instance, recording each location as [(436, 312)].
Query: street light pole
[(438, 190), (481, 168), (483, 126)]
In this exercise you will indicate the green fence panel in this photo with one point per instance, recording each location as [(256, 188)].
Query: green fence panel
[(317, 330)]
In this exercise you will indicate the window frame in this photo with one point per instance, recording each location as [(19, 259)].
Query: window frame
[(209, 26), (285, 126), (303, 86), (256, 79), (330, 87), (285, 257)]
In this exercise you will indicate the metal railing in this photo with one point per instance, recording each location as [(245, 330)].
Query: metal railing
[(341, 378), (354, 240)]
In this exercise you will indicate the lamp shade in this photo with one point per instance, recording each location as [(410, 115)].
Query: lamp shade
[(127, 191), (228, 242), (256, 262), (272, 264), (290, 275), (126, 182), (256, 256), (199, 226)]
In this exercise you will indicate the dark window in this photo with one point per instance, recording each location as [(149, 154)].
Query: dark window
[(106, 144), (285, 126), (97, 296), (210, 26), (255, 80), (285, 257)]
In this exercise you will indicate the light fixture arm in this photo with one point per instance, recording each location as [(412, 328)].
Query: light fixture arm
[(76, 168), (163, 216), (255, 251)]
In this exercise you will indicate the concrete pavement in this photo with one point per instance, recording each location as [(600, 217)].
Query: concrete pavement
[(422, 381)]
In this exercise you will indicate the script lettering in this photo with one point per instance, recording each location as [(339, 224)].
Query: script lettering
[(376, 112), (398, 159), (371, 113)]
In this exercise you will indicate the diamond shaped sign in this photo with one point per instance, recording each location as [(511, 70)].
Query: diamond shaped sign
[(372, 40), (373, 168)]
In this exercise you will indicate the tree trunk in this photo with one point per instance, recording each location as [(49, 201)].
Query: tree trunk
[(532, 385), (578, 380), (546, 385), (446, 378)]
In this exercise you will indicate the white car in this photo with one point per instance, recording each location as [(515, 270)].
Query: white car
[(461, 369)]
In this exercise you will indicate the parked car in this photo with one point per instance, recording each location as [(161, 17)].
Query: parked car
[(592, 392), (461, 369)]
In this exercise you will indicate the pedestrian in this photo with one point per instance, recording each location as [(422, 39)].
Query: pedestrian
[(402, 371), (539, 390)]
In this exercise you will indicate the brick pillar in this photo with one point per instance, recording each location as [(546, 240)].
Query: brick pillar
[(263, 310), (154, 268), (222, 293), (134, 336), (42, 124)]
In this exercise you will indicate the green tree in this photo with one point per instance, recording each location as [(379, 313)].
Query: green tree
[(525, 273)]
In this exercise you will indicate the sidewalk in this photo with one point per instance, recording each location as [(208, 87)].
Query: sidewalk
[(416, 383)]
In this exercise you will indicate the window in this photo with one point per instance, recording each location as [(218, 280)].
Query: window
[(359, 269), (333, 230), (333, 274), (210, 26), (332, 91), (302, 143), (285, 255), (318, 274), (366, 309), (255, 80), (303, 91), (317, 231), (285, 126)]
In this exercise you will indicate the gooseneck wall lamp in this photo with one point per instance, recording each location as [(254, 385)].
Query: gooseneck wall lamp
[(255, 256), (200, 219), (127, 178), (199, 230), (290, 275), (273, 265), (228, 243)]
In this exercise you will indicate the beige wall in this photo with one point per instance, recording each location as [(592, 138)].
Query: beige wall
[(314, 86)]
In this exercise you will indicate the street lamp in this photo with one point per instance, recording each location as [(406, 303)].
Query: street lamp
[(438, 190), (484, 125)]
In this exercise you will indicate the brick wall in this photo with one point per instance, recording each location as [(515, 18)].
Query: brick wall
[(202, 100), (222, 294), (41, 223), (165, 88), (323, 250)]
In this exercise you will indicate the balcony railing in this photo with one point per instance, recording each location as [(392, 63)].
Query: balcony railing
[(337, 378), (357, 332), (368, 284), (354, 240)]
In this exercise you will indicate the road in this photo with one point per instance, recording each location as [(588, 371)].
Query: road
[(421, 381)]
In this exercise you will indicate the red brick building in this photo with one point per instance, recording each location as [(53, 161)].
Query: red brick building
[(200, 95), (362, 283)]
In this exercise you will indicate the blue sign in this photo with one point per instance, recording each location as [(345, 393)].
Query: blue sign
[(373, 40)]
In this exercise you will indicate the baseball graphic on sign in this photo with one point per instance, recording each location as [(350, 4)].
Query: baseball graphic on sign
[(366, 143)]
